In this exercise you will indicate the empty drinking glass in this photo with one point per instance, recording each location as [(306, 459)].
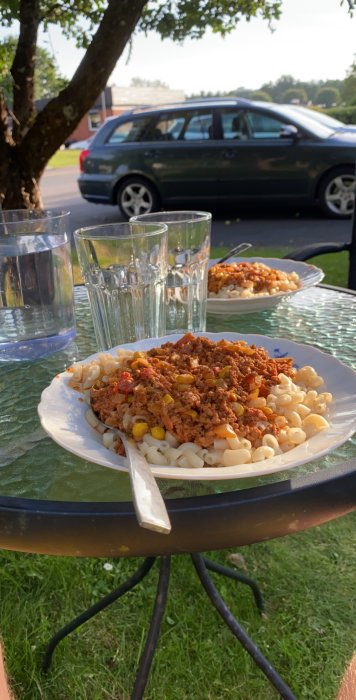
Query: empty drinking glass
[(124, 267), (188, 257)]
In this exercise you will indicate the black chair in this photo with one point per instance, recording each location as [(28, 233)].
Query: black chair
[(310, 251)]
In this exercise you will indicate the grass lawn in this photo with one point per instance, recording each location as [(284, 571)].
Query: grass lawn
[(308, 633), (64, 159)]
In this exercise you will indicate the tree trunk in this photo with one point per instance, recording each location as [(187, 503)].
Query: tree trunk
[(22, 163), (17, 182)]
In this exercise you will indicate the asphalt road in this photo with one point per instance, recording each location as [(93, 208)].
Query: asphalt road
[(262, 226)]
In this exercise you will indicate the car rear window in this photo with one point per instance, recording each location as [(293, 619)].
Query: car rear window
[(131, 130), (190, 125)]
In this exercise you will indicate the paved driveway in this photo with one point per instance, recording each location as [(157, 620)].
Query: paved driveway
[(262, 226)]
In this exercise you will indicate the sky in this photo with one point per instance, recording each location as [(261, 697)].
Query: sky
[(313, 40)]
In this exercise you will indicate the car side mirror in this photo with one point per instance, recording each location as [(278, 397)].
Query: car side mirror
[(289, 131)]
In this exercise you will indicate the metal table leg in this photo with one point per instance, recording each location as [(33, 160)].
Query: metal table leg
[(152, 637), (238, 631), (130, 583), (237, 576)]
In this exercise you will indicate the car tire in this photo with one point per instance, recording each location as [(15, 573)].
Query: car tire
[(336, 194), (136, 196)]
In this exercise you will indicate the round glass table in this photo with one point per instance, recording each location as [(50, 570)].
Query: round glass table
[(45, 490), (53, 502)]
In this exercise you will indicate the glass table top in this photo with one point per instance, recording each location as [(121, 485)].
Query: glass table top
[(33, 466)]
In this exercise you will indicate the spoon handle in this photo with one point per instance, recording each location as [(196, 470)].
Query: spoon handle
[(149, 505), (239, 249)]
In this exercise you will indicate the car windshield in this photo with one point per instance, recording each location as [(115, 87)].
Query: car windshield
[(319, 116), (303, 120)]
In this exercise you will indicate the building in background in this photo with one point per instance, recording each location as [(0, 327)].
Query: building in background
[(116, 100)]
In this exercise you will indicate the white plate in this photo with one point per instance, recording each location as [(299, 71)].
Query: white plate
[(309, 276), (62, 413)]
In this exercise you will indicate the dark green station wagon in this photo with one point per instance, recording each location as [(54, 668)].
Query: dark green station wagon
[(218, 151)]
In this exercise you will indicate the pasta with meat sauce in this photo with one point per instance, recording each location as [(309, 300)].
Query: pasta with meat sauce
[(199, 403), (249, 279)]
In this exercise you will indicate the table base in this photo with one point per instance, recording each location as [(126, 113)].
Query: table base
[(201, 565)]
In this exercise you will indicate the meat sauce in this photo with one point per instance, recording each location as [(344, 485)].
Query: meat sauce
[(191, 387)]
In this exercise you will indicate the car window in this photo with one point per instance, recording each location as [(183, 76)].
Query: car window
[(129, 131), (262, 126), (247, 124), (185, 126), (198, 127), (234, 124), (169, 126)]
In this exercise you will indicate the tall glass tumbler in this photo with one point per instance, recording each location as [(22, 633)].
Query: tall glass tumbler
[(124, 268), (36, 283), (187, 276)]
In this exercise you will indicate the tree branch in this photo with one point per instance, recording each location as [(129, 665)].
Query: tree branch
[(61, 115), (23, 67)]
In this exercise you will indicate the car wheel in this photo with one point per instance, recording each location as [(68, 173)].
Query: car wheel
[(136, 196), (336, 194)]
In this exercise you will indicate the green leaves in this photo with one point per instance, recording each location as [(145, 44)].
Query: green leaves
[(190, 18), (48, 80)]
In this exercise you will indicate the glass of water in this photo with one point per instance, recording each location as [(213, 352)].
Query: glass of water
[(124, 267), (188, 256), (36, 284)]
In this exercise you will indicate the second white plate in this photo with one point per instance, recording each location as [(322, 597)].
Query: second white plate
[(309, 276)]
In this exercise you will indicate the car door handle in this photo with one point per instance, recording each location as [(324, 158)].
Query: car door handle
[(230, 154), (150, 154)]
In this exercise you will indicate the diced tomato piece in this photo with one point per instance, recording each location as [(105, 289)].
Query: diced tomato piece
[(146, 373), (126, 383)]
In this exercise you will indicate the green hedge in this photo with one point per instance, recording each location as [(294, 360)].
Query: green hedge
[(346, 114)]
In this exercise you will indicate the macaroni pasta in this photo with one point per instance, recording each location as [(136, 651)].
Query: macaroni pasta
[(198, 404)]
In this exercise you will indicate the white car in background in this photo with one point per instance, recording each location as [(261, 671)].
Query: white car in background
[(79, 145)]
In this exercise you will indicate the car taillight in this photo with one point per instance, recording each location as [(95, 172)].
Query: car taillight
[(82, 157)]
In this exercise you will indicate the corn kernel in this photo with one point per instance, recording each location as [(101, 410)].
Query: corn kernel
[(140, 362), (168, 399), (238, 409), (184, 379), (246, 350), (139, 430), (224, 372), (254, 394), (158, 432), (224, 431), (193, 414)]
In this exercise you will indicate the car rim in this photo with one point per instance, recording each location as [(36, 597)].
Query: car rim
[(340, 195), (136, 199)]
